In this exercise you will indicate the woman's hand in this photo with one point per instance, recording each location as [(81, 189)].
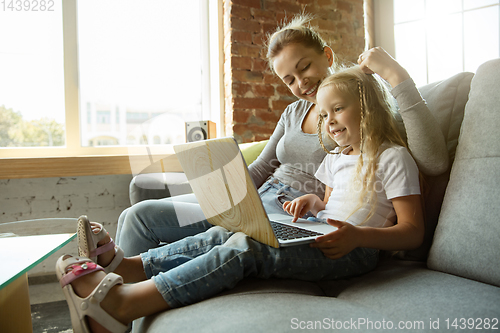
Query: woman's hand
[(301, 205), (377, 60), (337, 243)]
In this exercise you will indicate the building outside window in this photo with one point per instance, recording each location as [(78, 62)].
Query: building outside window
[(103, 117)]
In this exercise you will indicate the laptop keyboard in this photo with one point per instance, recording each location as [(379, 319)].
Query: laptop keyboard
[(286, 232)]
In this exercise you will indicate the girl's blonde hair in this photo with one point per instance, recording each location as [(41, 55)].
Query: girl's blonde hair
[(377, 125), (297, 31)]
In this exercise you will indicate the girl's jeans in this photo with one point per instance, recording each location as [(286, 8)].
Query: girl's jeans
[(200, 266), (150, 223)]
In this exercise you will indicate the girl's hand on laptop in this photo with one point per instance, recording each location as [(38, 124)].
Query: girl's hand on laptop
[(300, 206), (337, 243)]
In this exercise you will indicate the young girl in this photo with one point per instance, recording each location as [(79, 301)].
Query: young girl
[(201, 266), (371, 178), (285, 169)]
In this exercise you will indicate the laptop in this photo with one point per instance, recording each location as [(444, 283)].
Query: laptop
[(228, 197)]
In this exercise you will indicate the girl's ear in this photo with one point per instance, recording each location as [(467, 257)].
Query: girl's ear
[(329, 55)]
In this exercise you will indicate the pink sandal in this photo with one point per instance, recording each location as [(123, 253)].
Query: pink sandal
[(90, 306), (87, 243)]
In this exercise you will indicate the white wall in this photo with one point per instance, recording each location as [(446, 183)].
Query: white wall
[(101, 198)]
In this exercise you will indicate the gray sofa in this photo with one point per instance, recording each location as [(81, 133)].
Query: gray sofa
[(451, 283)]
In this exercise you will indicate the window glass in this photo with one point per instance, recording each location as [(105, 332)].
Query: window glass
[(441, 7), (32, 75), (481, 36), (470, 4), (448, 39), (405, 10), (411, 49), (445, 46), (142, 60)]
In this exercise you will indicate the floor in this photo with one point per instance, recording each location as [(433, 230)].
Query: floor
[(49, 311), (51, 318)]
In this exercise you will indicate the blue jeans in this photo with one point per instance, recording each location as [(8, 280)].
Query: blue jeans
[(200, 266), (274, 193), (150, 223)]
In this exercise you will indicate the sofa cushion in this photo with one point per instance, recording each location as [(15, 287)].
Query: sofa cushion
[(446, 101), (268, 312), (466, 239), (409, 291), (257, 305), (396, 293), (252, 150)]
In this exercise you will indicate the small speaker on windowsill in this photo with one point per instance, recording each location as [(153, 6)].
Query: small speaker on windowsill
[(200, 130)]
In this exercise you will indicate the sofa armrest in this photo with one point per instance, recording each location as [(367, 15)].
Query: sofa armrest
[(169, 184), (158, 186)]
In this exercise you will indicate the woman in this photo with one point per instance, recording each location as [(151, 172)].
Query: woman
[(285, 168)]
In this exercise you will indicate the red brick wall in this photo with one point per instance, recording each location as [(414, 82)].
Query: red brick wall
[(254, 96)]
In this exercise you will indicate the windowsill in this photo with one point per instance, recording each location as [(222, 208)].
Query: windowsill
[(44, 167)]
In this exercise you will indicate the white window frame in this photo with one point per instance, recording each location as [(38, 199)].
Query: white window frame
[(383, 18), (24, 162)]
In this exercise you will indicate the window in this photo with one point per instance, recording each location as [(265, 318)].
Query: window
[(132, 59), (435, 39), (32, 85), (91, 77)]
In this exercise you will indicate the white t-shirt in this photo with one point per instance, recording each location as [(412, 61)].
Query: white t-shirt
[(396, 176)]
